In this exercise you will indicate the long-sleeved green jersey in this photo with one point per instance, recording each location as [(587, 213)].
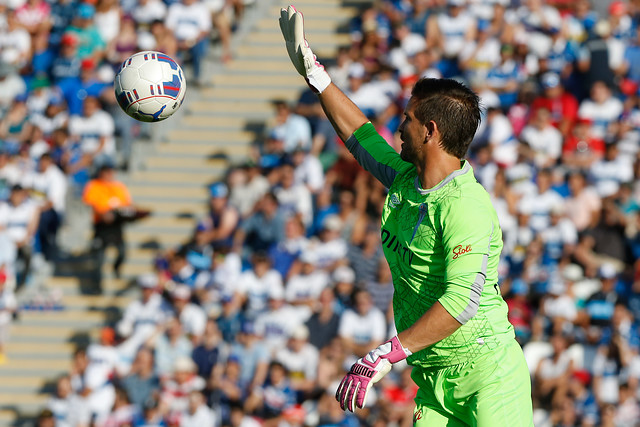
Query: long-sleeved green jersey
[(442, 244)]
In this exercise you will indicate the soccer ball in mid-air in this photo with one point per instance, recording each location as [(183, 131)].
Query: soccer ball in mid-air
[(150, 86)]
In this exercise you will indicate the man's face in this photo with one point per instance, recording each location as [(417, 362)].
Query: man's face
[(413, 134)]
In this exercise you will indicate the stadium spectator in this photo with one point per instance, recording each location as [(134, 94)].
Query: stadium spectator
[(190, 22), (218, 227), (19, 217), (270, 399), (191, 316), (257, 284), (602, 109), (210, 354), (293, 130), (141, 382), (90, 42), (252, 355), (300, 359), (48, 187), (169, 344), (177, 389), (324, 322), (95, 130), (67, 407), (8, 307), (562, 105), (111, 204), (363, 325), (261, 230), (144, 315)]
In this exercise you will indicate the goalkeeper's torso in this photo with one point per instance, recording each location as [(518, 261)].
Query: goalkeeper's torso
[(422, 261)]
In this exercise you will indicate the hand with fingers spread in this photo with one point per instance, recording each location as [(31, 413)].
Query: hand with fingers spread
[(306, 63), (352, 391)]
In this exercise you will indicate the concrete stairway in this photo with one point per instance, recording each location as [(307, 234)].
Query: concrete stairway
[(213, 130)]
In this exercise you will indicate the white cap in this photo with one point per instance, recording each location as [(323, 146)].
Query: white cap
[(181, 292), (607, 271), (572, 272), (308, 257), (356, 70), (344, 274), (184, 364), (332, 222), (147, 281), (276, 292), (300, 332)]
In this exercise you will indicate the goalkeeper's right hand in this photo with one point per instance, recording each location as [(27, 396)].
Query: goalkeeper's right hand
[(292, 27)]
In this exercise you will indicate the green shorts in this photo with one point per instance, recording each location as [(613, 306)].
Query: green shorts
[(493, 391)]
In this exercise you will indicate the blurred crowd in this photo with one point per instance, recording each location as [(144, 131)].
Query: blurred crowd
[(282, 285), (60, 125)]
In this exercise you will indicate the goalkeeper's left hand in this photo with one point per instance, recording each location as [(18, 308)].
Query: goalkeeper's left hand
[(292, 27), (367, 371)]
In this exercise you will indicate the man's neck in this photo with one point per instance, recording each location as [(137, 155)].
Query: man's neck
[(436, 169)]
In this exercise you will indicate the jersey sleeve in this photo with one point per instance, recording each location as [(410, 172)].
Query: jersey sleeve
[(467, 234), (375, 155)]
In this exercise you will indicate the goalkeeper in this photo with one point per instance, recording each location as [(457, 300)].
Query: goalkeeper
[(441, 238)]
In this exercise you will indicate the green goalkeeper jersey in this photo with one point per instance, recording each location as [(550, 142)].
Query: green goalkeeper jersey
[(442, 244)]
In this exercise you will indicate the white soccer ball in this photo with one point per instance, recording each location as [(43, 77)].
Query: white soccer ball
[(150, 86)]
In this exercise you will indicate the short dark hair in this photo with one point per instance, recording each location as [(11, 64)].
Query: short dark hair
[(453, 107)]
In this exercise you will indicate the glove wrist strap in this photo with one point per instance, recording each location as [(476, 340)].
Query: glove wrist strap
[(318, 79)]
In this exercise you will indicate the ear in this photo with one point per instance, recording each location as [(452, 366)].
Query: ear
[(432, 128)]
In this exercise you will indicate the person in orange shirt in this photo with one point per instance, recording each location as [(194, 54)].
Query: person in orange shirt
[(112, 207)]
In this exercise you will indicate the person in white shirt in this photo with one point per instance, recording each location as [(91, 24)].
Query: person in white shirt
[(255, 285), (142, 316), (300, 358), (49, 187), (278, 323), (11, 86), (611, 171), (19, 218), (308, 170), (8, 306), (15, 42), (330, 249), (247, 185), (292, 129), (602, 108), (368, 96), (540, 202), (450, 31), (95, 130), (67, 406), (190, 22), (198, 414), (363, 326), (544, 139), (305, 287), (294, 198), (192, 317)]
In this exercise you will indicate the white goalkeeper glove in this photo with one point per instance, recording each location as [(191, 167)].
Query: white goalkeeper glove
[(292, 27)]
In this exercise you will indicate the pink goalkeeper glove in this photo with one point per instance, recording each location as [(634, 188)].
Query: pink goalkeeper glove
[(367, 371), (292, 27)]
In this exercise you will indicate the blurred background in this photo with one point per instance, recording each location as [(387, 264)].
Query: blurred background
[(223, 268)]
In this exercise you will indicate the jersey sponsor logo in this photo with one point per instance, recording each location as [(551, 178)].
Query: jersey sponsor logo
[(459, 250), (393, 243), (394, 201)]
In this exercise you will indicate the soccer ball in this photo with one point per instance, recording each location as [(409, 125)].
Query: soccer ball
[(150, 86)]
